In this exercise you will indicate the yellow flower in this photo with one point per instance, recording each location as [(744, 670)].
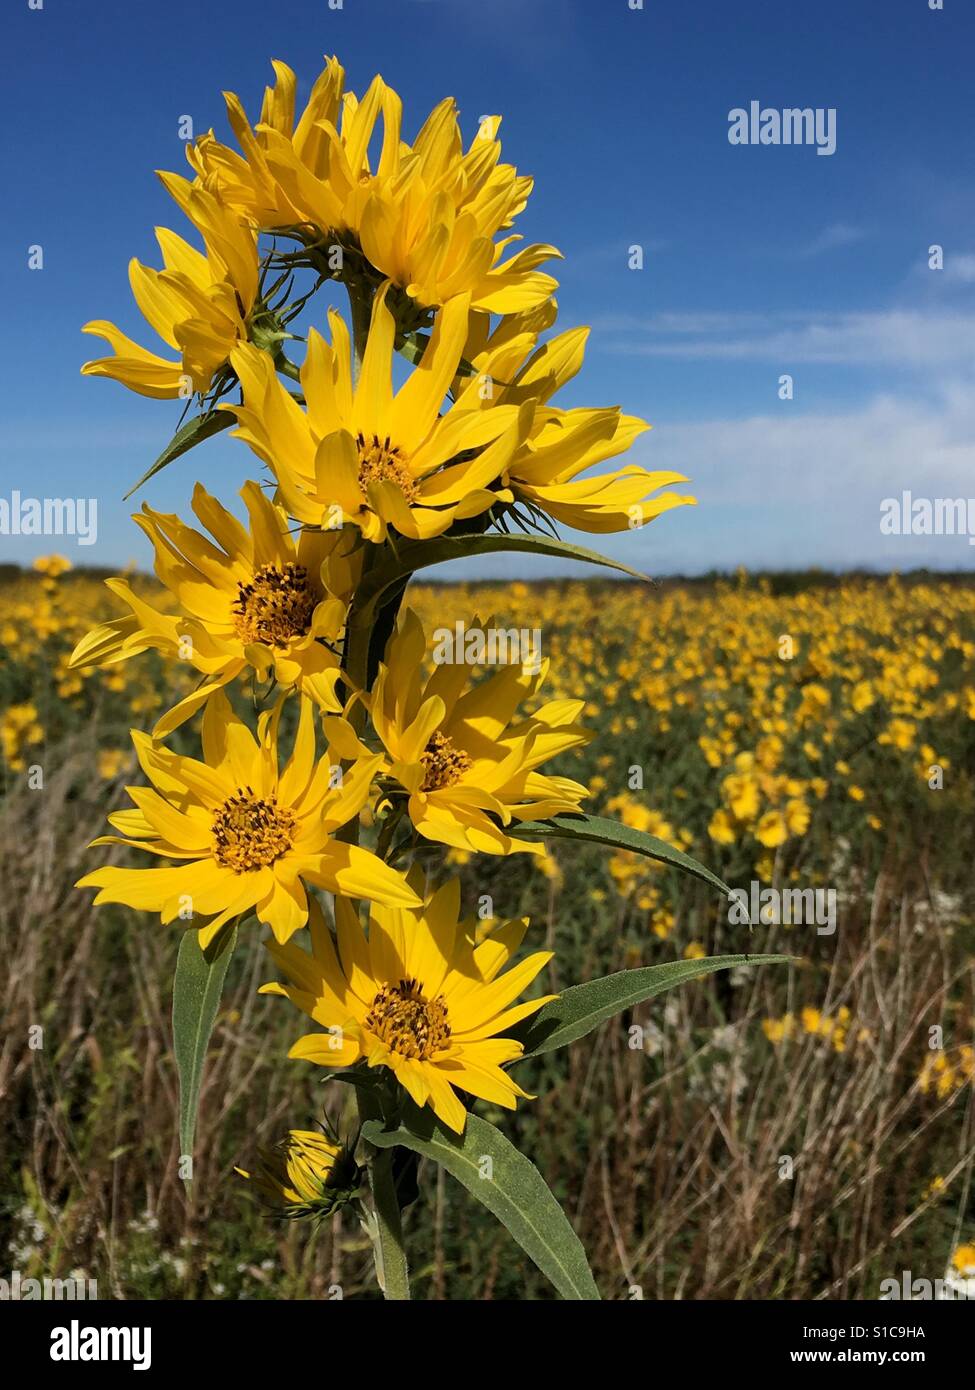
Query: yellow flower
[(257, 599), (562, 444), (797, 816), (929, 759), (947, 1075), (20, 727), (198, 304), (856, 793), (900, 733), (772, 829), (111, 761), (304, 1174), (426, 216), (741, 793), (365, 455), (467, 765), (247, 837), (862, 696), (815, 701), (52, 566), (417, 997), (721, 828), (662, 922), (694, 951), (779, 1029), (548, 865), (641, 817), (768, 754), (964, 1260)]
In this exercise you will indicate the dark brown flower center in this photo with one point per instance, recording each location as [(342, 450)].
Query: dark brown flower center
[(408, 1023), (251, 832), (382, 462), (275, 607), (444, 764)]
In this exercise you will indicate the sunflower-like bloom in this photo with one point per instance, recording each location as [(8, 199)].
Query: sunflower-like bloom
[(418, 996), (247, 837), (304, 1174), (198, 304), (256, 599), (426, 216), (466, 763), (511, 368), (366, 456)]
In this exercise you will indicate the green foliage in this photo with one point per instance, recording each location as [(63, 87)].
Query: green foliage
[(197, 987), (507, 1183), (581, 1008)]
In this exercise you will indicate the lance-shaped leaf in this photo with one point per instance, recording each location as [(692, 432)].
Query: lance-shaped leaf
[(417, 555), (579, 1010), (507, 1183), (599, 830), (197, 988), (195, 430)]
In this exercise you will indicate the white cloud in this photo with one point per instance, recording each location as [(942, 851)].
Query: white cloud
[(906, 338), (789, 490), (959, 269), (832, 238)]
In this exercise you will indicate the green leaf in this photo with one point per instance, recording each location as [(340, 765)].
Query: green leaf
[(197, 429), (417, 555), (197, 988), (599, 830), (413, 346), (362, 1080), (579, 1010), (516, 1193)]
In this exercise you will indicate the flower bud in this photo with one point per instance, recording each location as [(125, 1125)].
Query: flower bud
[(305, 1174)]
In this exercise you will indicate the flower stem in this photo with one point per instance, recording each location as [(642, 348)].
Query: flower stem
[(387, 1228)]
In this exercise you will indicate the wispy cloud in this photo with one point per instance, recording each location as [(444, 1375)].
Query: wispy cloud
[(832, 238), (790, 489), (906, 338), (960, 269)]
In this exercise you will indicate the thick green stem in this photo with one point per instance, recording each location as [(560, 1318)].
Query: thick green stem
[(387, 1227), (286, 367), (355, 657)]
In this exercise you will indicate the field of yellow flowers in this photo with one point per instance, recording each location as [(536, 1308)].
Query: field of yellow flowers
[(792, 1133)]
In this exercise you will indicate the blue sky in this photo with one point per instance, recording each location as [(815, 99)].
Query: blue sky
[(759, 261)]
